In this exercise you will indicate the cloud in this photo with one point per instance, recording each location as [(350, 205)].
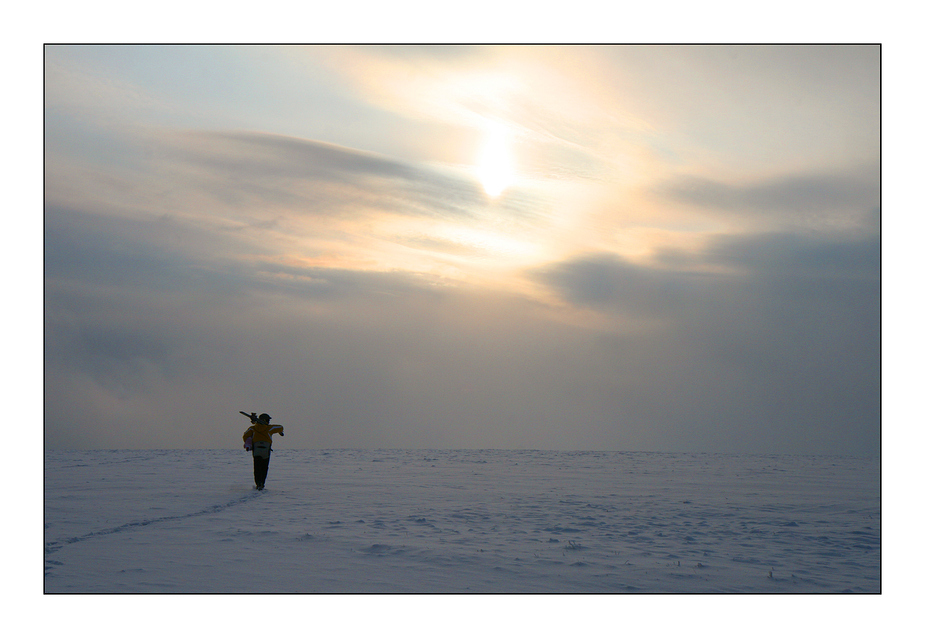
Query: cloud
[(768, 338), (261, 155), (366, 361), (757, 341), (246, 170), (790, 255), (254, 172), (729, 269), (607, 282), (761, 342), (822, 199), (226, 200)]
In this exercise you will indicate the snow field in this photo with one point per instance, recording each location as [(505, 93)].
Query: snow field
[(349, 521)]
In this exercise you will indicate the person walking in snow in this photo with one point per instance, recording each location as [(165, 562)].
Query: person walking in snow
[(259, 439)]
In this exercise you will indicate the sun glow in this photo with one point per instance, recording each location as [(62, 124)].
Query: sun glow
[(496, 162)]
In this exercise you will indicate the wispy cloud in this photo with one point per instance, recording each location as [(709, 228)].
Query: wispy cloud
[(833, 200)]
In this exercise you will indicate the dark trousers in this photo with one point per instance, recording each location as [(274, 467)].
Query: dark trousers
[(261, 466)]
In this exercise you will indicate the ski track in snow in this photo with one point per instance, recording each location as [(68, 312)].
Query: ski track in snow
[(54, 546), (460, 521)]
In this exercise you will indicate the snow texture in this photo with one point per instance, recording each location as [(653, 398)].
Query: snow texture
[(350, 521)]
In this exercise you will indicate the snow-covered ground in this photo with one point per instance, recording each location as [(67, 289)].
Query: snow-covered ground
[(346, 521)]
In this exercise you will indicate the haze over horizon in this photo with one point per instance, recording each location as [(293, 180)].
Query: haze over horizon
[(659, 248)]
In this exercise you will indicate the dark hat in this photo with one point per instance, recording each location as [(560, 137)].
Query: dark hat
[(265, 418)]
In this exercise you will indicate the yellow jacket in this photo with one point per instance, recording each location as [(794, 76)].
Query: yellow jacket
[(261, 431)]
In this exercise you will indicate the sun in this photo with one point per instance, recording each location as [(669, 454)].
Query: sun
[(496, 162)]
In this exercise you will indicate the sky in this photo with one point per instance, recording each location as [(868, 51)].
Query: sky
[(657, 248)]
